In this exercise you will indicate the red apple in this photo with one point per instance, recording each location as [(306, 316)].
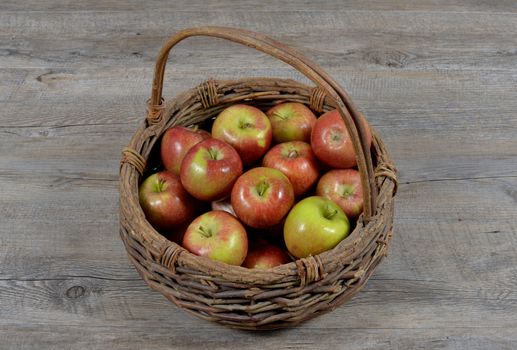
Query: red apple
[(344, 188), (291, 121), (314, 225), (246, 128), (331, 142), (176, 142), (224, 205), (210, 169), (263, 255), (165, 202), (295, 160), (261, 197), (218, 236)]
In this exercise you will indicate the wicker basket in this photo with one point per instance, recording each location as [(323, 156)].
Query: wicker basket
[(235, 296)]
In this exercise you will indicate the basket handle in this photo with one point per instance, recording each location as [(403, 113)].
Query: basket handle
[(311, 70)]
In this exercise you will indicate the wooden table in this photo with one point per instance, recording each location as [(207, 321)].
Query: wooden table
[(438, 80)]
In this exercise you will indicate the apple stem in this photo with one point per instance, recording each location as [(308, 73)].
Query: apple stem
[(160, 186), (245, 125), (347, 192), (292, 153), (280, 116), (207, 233), (262, 188), (195, 127), (330, 212), (336, 136), (214, 154)]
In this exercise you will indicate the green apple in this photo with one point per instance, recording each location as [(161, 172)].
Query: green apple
[(314, 225)]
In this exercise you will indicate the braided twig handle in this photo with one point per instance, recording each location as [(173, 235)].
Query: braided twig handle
[(311, 70)]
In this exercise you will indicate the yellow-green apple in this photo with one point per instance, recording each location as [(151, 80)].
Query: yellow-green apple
[(246, 128), (331, 142), (210, 169), (263, 255), (343, 186), (224, 205), (165, 202), (314, 225), (261, 197), (218, 236), (291, 121), (176, 142), (295, 160)]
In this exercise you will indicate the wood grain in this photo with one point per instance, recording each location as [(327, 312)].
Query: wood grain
[(351, 38), (270, 6), (436, 78)]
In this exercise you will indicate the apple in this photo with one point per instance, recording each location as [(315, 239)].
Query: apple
[(224, 205), (295, 160), (165, 202), (291, 121), (343, 186), (218, 236), (314, 225), (263, 255), (176, 142), (246, 128), (210, 169), (261, 197), (331, 142)]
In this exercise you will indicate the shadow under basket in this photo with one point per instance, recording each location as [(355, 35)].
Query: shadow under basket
[(235, 296)]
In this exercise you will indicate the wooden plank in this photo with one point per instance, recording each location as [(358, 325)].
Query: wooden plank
[(384, 304), (373, 39), (265, 6), (409, 92), (118, 337)]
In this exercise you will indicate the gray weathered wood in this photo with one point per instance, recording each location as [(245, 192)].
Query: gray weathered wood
[(438, 79)]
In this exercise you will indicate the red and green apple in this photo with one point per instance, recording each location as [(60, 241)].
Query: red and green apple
[(332, 143), (246, 128), (219, 236), (295, 160), (343, 186), (210, 169), (165, 202), (263, 255), (291, 121), (261, 197), (176, 142)]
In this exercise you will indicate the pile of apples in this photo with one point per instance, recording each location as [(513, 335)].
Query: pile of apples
[(261, 189)]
